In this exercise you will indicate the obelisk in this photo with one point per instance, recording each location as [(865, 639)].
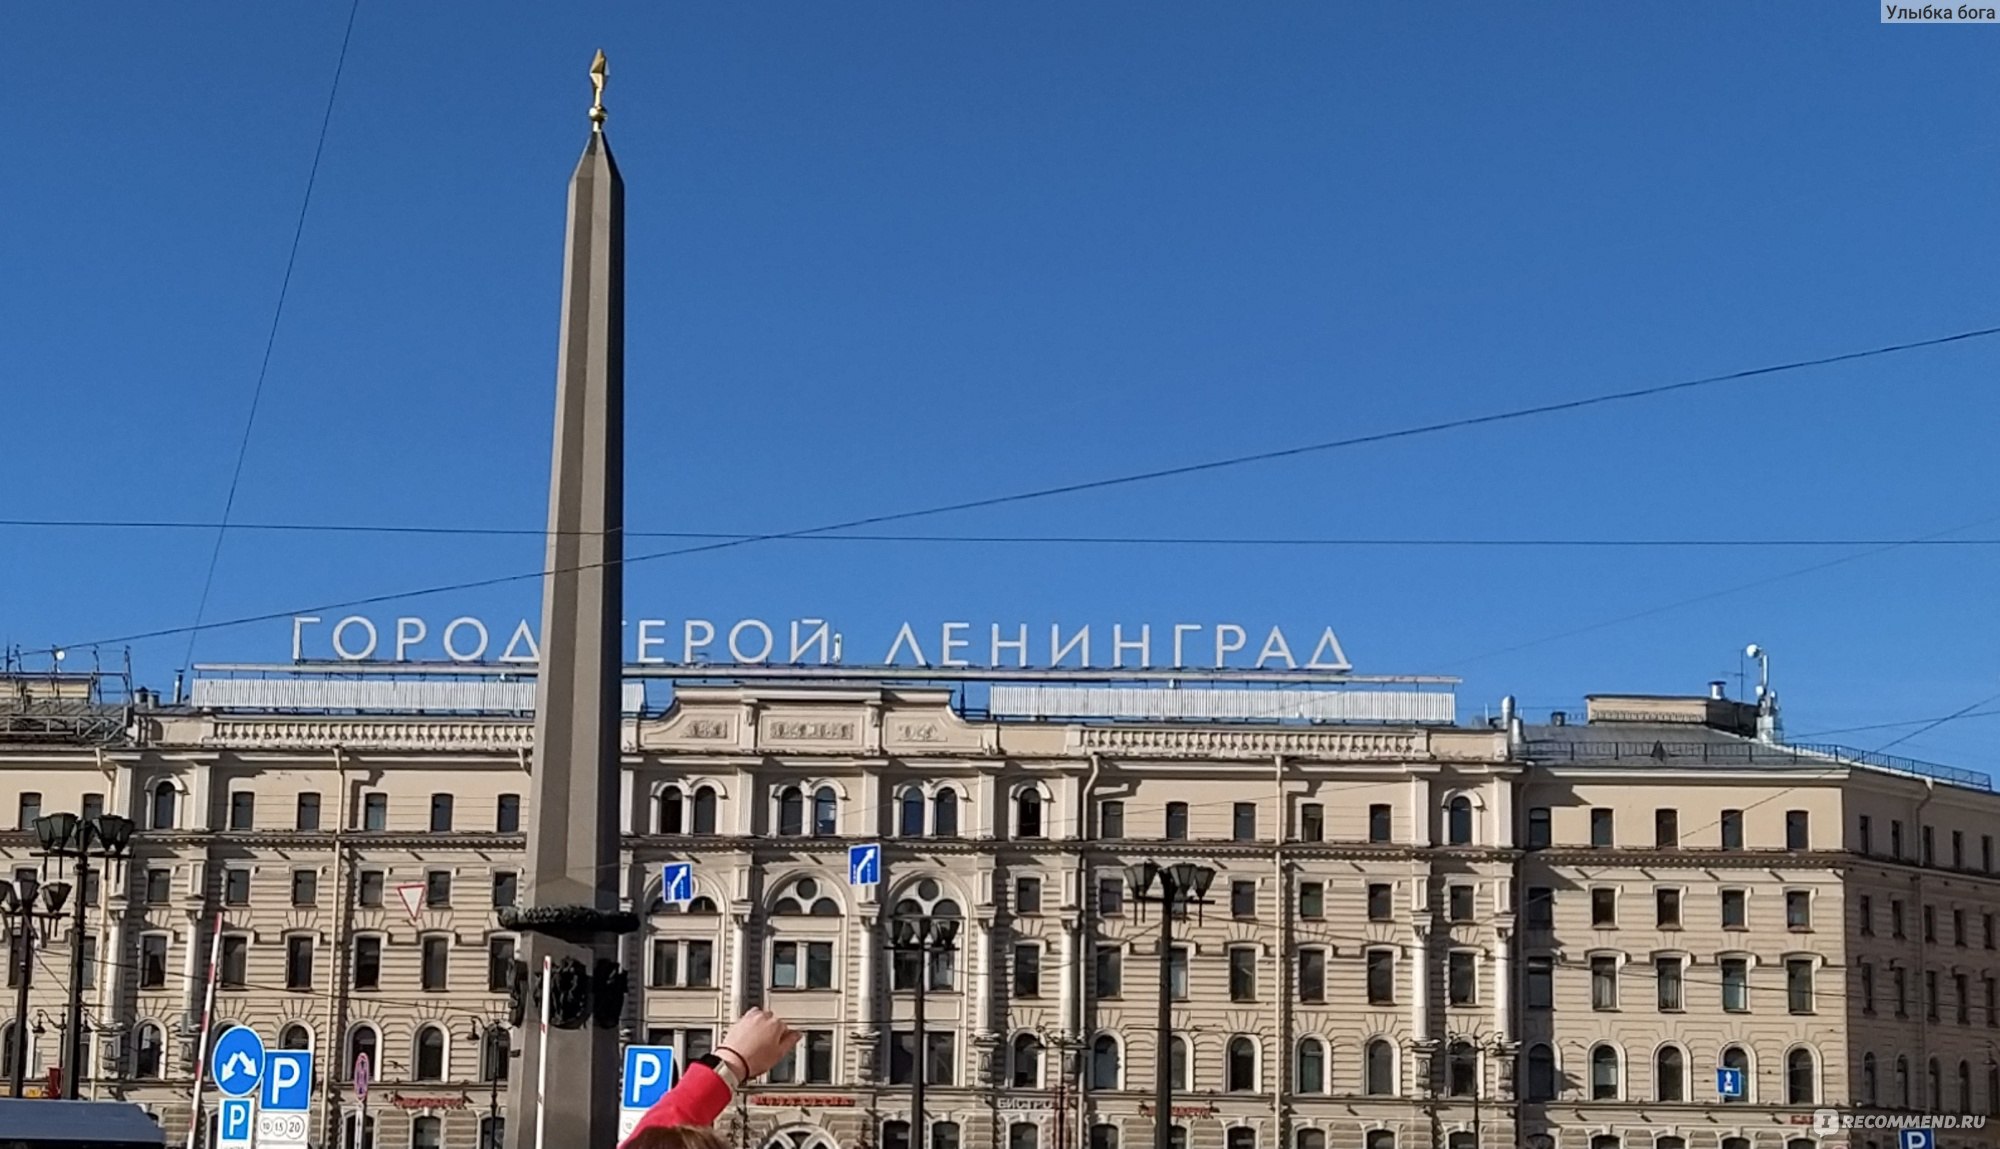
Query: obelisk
[(569, 918)]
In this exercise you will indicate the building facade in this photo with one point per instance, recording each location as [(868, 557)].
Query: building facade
[(1417, 935)]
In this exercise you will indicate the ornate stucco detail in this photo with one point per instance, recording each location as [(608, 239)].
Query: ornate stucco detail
[(1229, 743), (326, 733)]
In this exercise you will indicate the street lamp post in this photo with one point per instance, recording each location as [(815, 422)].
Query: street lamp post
[(482, 1034), (1181, 885), (923, 936), (68, 836), (17, 903)]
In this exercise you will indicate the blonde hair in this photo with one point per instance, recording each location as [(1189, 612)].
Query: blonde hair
[(676, 1137)]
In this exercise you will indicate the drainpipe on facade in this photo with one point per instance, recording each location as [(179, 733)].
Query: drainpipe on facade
[(1925, 998), (1281, 964), (336, 993), (1073, 1044), (107, 940)]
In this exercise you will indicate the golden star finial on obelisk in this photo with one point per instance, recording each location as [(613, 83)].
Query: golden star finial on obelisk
[(599, 69)]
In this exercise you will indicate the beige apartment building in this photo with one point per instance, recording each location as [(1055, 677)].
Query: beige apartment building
[(1419, 934)]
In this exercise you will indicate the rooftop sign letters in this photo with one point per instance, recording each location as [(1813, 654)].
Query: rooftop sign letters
[(814, 642)]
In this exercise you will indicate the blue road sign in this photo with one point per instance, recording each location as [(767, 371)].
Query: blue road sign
[(1729, 1082), (1917, 1139), (237, 1061), (287, 1080), (649, 1070), (234, 1127), (677, 883), (864, 865)]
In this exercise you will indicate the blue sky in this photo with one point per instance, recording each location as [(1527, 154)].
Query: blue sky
[(887, 256)]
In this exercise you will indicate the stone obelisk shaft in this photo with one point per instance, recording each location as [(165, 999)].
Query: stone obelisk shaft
[(573, 832)]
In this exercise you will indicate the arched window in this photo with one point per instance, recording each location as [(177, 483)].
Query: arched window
[(670, 811), (944, 814), (1380, 1139), (1241, 1069), (944, 1135), (1027, 1062), (1965, 1086), (1604, 1074), (895, 1135), (1541, 1073), (1669, 1074), (165, 798), (1104, 1062), (1028, 814), (1177, 1062), (427, 1133), (1902, 1082), (1993, 1090), (495, 1054), (1103, 1137), (1309, 1139), (430, 1054), (804, 898), (1801, 1079), (1734, 1058), (704, 810), (1310, 1073), (359, 1131), (7, 1050), (1381, 1069), (911, 824), (1461, 1078), (791, 812), (362, 1040), (1458, 821), (1868, 1079), (1604, 1141), (492, 1131), (295, 1037), (148, 1052), (825, 809), (1241, 1137), (1934, 1085)]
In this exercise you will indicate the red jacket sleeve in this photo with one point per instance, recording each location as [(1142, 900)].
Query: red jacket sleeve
[(698, 1098)]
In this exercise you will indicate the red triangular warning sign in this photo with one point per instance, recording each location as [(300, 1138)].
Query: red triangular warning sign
[(412, 894)]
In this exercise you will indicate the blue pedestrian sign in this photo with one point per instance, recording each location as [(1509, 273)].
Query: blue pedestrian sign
[(1729, 1082), (1917, 1139), (864, 865), (287, 1081), (649, 1070), (677, 883), (237, 1061), (233, 1129)]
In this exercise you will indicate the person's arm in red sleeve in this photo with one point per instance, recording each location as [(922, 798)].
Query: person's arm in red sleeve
[(698, 1098)]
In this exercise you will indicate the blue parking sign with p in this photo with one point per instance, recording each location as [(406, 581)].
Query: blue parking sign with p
[(677, 883), (1918, 1139), (864, 865), (287, 1081), (649, 1071), (234, 1126)]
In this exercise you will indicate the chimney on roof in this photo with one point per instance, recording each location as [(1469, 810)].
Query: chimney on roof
[(1558, 718), (1715, 690)]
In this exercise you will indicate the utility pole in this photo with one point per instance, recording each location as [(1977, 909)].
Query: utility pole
[(924, 937), (1181, 885)]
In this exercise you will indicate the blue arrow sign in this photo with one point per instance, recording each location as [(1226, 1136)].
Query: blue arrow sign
[(234, 1126), (677, 883), (1918, 1139), (1729, 1082), (864, 865), (237, 1061), (649, 1070), (287, 1080)]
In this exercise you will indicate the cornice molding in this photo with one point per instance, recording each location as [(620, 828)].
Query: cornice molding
[(1210, 742), (364, 734)]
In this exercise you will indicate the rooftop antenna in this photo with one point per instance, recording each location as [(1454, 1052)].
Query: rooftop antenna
[(1768, 728)]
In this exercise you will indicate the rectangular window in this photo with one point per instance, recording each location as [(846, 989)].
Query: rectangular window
[(307, 817), (1312, 976), (1896, 918), (1242, 899), (1896, 838), (1667, 973), (1111, 819), (1462, 977), (1864, 915), (93, 806), (1961, 996), (1379, 822), (1110, 897), (1601, 827), (819, 1056), (30, 809), (700, 965), (235, 961), (1931, 994), (159, 886), (1312, 822), (1242, 973), (1312, 900), (1866, 835), (1799, 985), (1958, 849), (666, 971), (1797, 830), (1027, 970), (298, 962), (1867, 988), (785, 965), (437, 889), (1798, 910), (1667, 909), (441, 813), (1958, 928), (91, 882), (369, 893), (1540, 984), (1027, 895), (819, 965), (1110, 971), (1666, 828), (1732, 829), (1929, 838), (1177, 821), (375, 812), (697, 1044), (243, 810), (367, 963), (939, 1058), (1735, 910), (152, 962), (1381, 901), (1992, 999), (507, 815), (1540, 908), (236, 887), (1735, 985), (1986, 923), (1604, 983), (1460, 904), (506, 888), (499, 964), (1177, 973), (305, 887), (1930, 923), (1603, 907), (1243, 822), (1986, 852), (1381, 977)]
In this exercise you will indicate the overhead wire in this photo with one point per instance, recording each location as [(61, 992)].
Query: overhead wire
[(1047, 492)]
